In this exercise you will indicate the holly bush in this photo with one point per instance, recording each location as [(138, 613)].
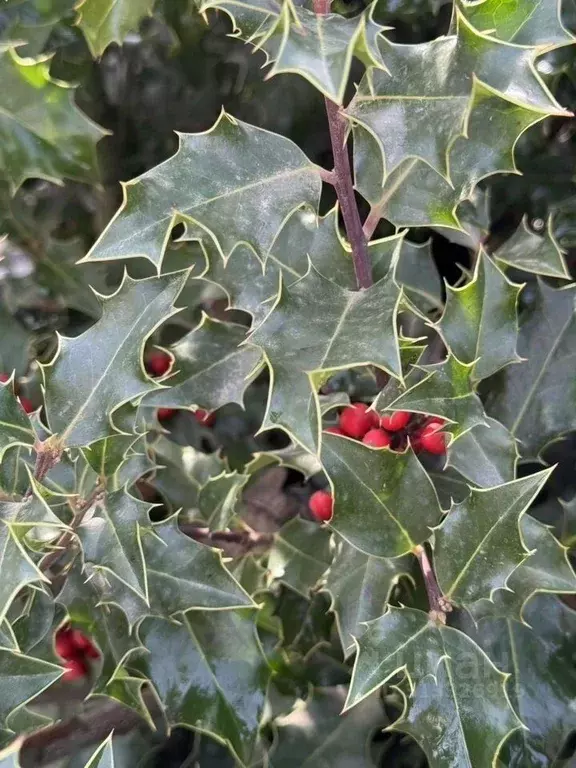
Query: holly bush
[(287, 418)]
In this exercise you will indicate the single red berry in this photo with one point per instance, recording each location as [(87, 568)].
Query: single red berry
[(355, 420), (432, 440), (377, 438), (64, 644), (321, 505), (26, 404), (83, 645), (204, 417), (435, 421), (74, 670), (158, 363), (165, 413), (396, 421), (4, 378), (335, 431)]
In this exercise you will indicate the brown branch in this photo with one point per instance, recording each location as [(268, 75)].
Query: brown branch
[(48, 454), (328, 176), (343, 182), (439, 605), (232, 543)]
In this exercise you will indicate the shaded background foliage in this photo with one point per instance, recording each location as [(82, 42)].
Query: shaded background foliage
[(176, 74)]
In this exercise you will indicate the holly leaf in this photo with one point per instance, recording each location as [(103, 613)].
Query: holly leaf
[(360, 586), (180, 575), (546, 570), (23, 678), (374, 493), (107, 455), (479, 544), (531, 399), (14, 344), (537, 25), (486, 455), (218, 499), (103, 756), (543, 682), (111, 21), (416, 109), (417, 273), (317, 733), (101, 369), (211, 367), (111, 540), (475, 313), (339, 329), (442, 713), (15, 427), (237, 182), (301, 555), (532, 252), (209, 673), (17, 519), (42, 132), (446, 391)]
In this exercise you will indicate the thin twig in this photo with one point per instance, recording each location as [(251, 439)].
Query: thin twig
[(377, 210), (328, 176), (439, 605), (232, 543), (343, 182)]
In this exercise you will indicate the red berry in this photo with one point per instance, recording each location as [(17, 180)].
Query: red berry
[(165, 413), (204, 417), (435, 420), (396, 421), (158, 363), (377, 438), (335, 431), (83, 645), (74, 670), (26, 404), (355, 420), (64, 644), (432, 440), (4, 378), (321, 505)]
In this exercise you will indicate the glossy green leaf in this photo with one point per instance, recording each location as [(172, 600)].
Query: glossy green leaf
[(14, 344), (103, 756), (442, 713), (211, 368), (337, 329), (446, 391), (42, 132), (225, 181), (180, 575), (210, 674), (316, 733), (99, 370), (479, 324), (479, 544), (384, 502), (22, 678), (17, 568), (417, 273), (15, 426), (547, 570), (534, 24), (532, 252), (301, 555), (360, 586), (218, 499), (542, 687), (111, 540), (107, 21), (106, 456), (532, 399), (486, 455)]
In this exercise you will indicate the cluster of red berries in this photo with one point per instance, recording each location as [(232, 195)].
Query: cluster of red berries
[(76, 649), (389, 431), (158, 364), (24, 401)]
